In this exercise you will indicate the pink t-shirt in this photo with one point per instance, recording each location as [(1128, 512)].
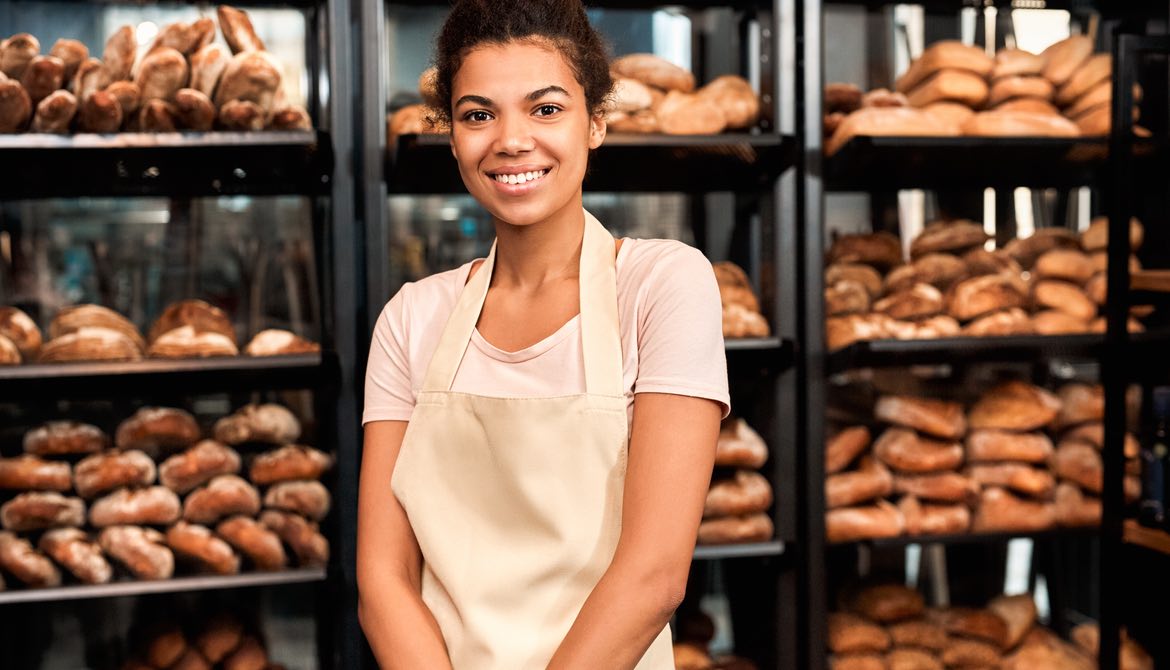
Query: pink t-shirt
[(671, 330)]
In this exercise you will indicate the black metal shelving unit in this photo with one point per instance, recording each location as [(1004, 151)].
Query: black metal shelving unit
[(179, 166)]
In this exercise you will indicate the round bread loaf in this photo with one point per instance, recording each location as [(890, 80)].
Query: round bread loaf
[(1080, 403), (16, 53), (187, 342), (745, 493), (311, 499), (980, 261), (103, 472), (846, 297), (939, 270), (21, 560), (308, 544), (9, 354), (91, 344), (1068, 264), (55, 113), (736, 529), (920, 301), (855, 272), (223, 496), (157, 430), (739, 446), (1025, 250), (199, 314), (979, 296), (64, 438), (948, 237), (1013, 321), (39, 510), (887, 603), (289, 462), (140, 550), (851, 634), (73, 319), (154, 505), (1063, 297), (198, 465), (654, 71), (735, 98), (18, 327), (198, 543), (258, 543), (273, 424), (275, 342), (32, 473), (73, 550)]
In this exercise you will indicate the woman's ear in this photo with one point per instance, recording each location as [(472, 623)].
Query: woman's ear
[(597, 130)]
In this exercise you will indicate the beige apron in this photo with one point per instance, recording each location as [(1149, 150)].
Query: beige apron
[(517, 502)]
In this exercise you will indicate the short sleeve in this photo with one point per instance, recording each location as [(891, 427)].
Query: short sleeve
[(388, 385), (680, 329)]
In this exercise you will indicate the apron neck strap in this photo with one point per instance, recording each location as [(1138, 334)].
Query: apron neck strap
[(601, 345)]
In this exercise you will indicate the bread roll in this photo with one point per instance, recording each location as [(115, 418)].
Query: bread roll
[(251, 76), (940, 270), (1053, 322), (237, 29), (91, 76), (1006, 88), (16, 53), (745, 493), (954, 85), (15, 107), (849, 633), (965, 653), (223, 496), (308, 544), (1016, 62), (73, 550), (193, 110), (1067, 264), (140, 550), (888, 603), (882, 251), (207, 66), (934, 519), (917, 302), (1064, 297), (42, 76), (1018, 477), (897, 121), (64, 438), (187, 342), (32, 473), (953, 236), (1080, 463), (843, 97), (654, 71), (198, 543), (855, 272), (948, 487), (689, 114), (1096, 236), (846, 297), (1015, 406), (945, 55), (290, 117), (1027, 249), (844, 447), (39, 510), (940, 418), (904, 451), (157, 430), (953, 114), (991, 445), (219, 638), (1000, 511), (643, 122), (1012, 321), (311, 499), (198, 465), (1097, 69), (1063, 58), (276, 342), (101, 113), (1080, 403), (259, 544), (103, 472), (849, 524), (871, 480), (734, 96), (1000, 123), (289, 462), (983, 625), (912, 659), (933, 327), (919, 633), (21, 560), (241, 115), (1029, 106), (843, 331), (269, 423), (21, 330), (736, 529), (979, 296), (154, 506)]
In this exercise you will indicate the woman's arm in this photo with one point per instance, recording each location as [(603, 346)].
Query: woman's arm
[(672, 452), (401, 630)]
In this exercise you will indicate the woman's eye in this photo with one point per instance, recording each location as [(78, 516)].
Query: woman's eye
[(477, 117), (547, 110)]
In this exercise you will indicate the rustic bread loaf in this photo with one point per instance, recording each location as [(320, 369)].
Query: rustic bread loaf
[(106, 471), (74, 551), (736, 529), (940, 418), (141, 550), (152, 506)]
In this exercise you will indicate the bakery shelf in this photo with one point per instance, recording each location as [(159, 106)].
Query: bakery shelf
[(165, 164), (1151, 538), (97, 379), (174, 585), (974, 538), (753, 549), (948, 350), (739, 162)]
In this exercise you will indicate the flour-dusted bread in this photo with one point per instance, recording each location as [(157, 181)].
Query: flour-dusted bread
[(32, 473), (302, 536), (64, 438), (292, 461), (223, 496), (120, 53), (1015, 406), (276, 342), (979, 296), (261, 545), (21, 560), (21, 330), (42, 76), (654, 71), (141, 550), (197, 465), (311, 499), (939, 418), (150, 506), (103, 472), (200, 545), (269, 423), (157, 430), (40, 510), (189, 342), (73, 549)]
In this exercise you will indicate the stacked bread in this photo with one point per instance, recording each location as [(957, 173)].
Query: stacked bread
[(889, 627), (957, 89), (693, 632), (186, 329), (940, 470), (737, 502), (162, 492), (220, 641), (184, 81), (1052, 283), (741, 307)]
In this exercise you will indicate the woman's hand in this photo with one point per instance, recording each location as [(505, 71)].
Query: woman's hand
[(671, 455), (400, 628)]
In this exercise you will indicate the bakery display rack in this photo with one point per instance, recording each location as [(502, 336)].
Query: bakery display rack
[(166, 164), (968, 538), (965, 350), (749, 550)]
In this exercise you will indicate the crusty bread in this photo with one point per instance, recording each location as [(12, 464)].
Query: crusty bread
[(871, 480), (746, 492), (1025, 250), (859, 273), (310, 499), (1097, 69), (237, 29), (994, 445), (888, 603), (943, 487), (849, 633), (21, 560), (16, 52), (9, 354), (207, 66), (270, 423), (654, 71), (153, 505), (740, 446), (188, 342), (308, 544), (198, 465), (32, 473), (39, 510), (1000, 123), (64, 438), (879, 250), (119, 54), (161, 74), (91, 344), (141, 550), (844, 331), (1006, 88), (1000, 511), (241, 115), (918, 633), (1081, 464), (1016, 62), (844, 447), (74, 551), (1015, 406), (690, 114), (198, 543), (849, 524), (979, 296), (954, 236), (157, 430), (736, 529), (1029, 105), (292, 461), (960, 86), (276, 342), (926, 329), (92, 76), (1065, 297), (1063, 58), (980, 261), (945, 55), (1018, 612), (21, 330), (973, 624), (940, 418), (101, 112), (219, 637), (290, 117), (1017, 477), (904, 451), (223, 496), (193, 110), (1012, 321), (1054, 322), (128, 95), (734, 96), (895, 121), (72, 319), (1096, 236), (109, 470), (953, 114), (258, 543), (1067, 264), (1074, 508), (15, 106), (43, 75), (934, 519), (251, 76)]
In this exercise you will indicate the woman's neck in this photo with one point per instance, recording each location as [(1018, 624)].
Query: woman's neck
[(529, 257)]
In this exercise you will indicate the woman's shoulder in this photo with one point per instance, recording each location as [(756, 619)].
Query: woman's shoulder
[(666, 261), (432, 295)]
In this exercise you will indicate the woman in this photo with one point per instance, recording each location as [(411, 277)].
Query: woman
[(509, 516)]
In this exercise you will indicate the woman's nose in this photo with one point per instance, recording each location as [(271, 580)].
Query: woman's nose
[(515, 135)]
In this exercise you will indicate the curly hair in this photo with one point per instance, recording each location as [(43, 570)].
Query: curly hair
[(561, 23)]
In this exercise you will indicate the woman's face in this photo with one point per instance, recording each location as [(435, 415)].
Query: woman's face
[(521, 131)]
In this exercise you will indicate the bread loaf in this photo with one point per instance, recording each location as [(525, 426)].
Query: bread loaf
[(64, 438), (1006, 88), (973, 624), (897, 121), (1053, 322), (16, 53), (1074, 508), (187, 342), (644, 122), (952, 114), (1015, 406), (250, 76), (689, 114), (1000, 511), (15, 107), (1018, 612), (849, 524), (980, 261), (157, 430), (992, 445), (103, 472), (857, 662), (219, 638), (274, 342), (1079, 463), (736, 529), (92, 76), (207, 66), (75, 318), (39, 510), (940, 270), (846, 297), (186, 38), (919, 633), (198, 465), (1018, 477), (849, 633), (290, 117), (1063, 58), (270, 423), (1063, 297), (120, 53), (903, 450), (308, 544), (871, 480), (1096, 236), (739, 446), (242, 115), (1016, 62), (21, 560), (920, 301), (191, 660), (1080, 403), (193, 110), (101, 113), (888, 603), (1012, 321), (844, 447), (73, 550), (198, 543), (964, 653), (198, 313), (32, 473), (1041, 650), (734, 97), (291, 461), (979, 296), (166, 647), (1001, 123), (934, 519), (843, 331), (91, 344), (1087, 637), (140, 550), (933, 327), (9, 354), (1067, 264), (42, 76), (1025, 250), (1095, 70), (22, 331), (940, 418), (945, 55), (948, 236), (949, 487), (745, 493), (654, 71), (882, 251), (954, 85), (259, 544), (1094, 433), (237, 29), (1029, 106), (881, 97), (223, 496), (154, 505)]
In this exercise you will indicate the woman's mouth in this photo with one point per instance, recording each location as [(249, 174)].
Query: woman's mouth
[(519, 178)]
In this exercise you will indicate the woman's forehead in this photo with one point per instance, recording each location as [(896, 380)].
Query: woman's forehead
[(513, 69)]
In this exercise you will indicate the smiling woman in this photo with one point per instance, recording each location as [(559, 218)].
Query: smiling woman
[(546, 417)]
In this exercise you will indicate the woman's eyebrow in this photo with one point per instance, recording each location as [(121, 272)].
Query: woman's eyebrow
[(477, 99), (536, 95)]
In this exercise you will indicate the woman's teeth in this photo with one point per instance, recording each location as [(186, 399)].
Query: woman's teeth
[(522, 178)]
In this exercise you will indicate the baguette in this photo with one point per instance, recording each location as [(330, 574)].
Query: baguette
[(120, 53), (237, 30)]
